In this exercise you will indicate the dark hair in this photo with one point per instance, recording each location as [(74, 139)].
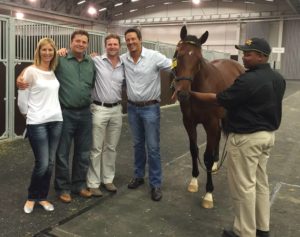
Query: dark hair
[(112, 36), (79, 32), (134, 30)]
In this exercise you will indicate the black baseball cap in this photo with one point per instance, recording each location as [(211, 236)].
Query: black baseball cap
[(255, 44)]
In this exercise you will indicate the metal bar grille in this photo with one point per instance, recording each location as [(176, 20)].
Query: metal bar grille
[(3, 43), (28, 33)]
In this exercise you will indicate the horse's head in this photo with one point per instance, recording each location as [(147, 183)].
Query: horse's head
[(188, 56)]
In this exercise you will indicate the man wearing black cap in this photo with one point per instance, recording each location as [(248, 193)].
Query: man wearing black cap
[(254, 107)]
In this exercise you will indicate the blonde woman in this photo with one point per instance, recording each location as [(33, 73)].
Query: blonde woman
[(40, 104)]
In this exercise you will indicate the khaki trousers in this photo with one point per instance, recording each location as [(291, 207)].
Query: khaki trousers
[(248, 155), (107, 125)]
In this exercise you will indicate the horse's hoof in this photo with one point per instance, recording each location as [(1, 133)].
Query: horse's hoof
[(193, 188), (207, 204), (208, 201)]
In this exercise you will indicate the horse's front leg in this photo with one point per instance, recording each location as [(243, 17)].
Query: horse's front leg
[(213, 132), (192, 133), (193, 186)]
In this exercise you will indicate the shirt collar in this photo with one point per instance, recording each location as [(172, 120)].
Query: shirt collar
[(104, 57), (260, 66), (70, 55), (143, 54)]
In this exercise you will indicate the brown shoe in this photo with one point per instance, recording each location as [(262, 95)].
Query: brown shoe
[(85, 193), (65, 197), (110, 187), (96, 192)]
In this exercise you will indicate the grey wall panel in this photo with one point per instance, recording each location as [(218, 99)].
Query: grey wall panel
[(258, 29), (290, 66)]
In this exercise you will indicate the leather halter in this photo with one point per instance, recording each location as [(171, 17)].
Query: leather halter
[(185, 78)]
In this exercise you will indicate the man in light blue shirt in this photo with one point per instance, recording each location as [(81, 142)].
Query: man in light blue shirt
[(106, 116), (142, 70)]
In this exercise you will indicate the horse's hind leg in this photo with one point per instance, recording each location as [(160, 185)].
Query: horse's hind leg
[(213, 133), (215, 167), (208, 201)]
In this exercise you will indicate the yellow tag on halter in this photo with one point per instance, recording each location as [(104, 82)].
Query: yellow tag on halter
[(174, 63)]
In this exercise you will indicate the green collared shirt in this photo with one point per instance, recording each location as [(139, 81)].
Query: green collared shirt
[(76, 81)]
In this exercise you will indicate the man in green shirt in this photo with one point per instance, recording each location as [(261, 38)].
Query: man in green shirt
[(75, 73)]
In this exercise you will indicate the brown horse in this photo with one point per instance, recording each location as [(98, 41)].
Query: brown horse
[(195, 73)]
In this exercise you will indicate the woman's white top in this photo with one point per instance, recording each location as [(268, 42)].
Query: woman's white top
[(40, 100)]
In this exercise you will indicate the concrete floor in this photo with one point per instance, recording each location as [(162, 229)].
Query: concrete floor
[(132, 213)]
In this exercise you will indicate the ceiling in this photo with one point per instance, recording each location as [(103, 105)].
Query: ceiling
[(72, 8)]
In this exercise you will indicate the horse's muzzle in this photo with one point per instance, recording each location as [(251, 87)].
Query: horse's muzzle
[(183, 95)]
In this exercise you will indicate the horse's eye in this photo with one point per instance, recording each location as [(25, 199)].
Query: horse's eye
[(190, 53)]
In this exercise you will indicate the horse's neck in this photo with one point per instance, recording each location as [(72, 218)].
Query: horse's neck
[(203, 68), (201, 75)]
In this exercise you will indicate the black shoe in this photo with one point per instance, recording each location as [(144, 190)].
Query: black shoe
[(229, 233), (156, 194), (260, 233), (135, 183)]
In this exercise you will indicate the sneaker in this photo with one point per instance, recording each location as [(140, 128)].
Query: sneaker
[(96, 192), (110, 187), (135, 183)]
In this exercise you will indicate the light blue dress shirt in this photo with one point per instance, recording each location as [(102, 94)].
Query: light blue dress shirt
[(143, 77), (109, 80)]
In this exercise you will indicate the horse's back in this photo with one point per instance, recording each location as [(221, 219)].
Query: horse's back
[(218, 75), (230, 69)]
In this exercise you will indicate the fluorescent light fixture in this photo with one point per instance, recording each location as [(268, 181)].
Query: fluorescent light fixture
[(80, 2), (133, 10), (150, 6), (102, 9), (249, 2), (92, 11), (118, 4), (196, 1), (19, 15), (167, 3), (134, 0)]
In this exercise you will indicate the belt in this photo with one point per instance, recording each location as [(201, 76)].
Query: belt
[(108, 105), (143, 103), (74, 108)]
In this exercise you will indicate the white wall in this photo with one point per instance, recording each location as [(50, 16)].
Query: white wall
[(222, 37)]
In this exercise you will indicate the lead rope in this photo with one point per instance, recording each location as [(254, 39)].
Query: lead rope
[(224, 154)]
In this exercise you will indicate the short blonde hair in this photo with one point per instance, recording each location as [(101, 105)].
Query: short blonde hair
[(37, 56)]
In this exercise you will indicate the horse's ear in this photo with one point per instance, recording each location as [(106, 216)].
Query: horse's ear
[(203, 38), (183, 32)]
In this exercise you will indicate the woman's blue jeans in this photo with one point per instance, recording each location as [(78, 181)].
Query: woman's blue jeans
[(44, 139), (145, 126)]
